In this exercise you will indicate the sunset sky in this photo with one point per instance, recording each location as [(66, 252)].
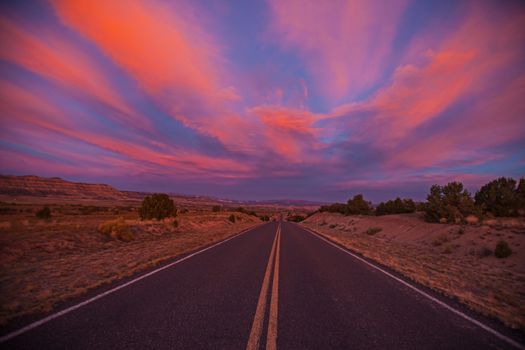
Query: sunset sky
[(270, 99)]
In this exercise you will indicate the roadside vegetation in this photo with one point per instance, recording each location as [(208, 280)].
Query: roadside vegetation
[(295, 218), (157, 206), (44, 213), (54, 249), (355, 206), (396, 206), (451, 203), (468, 246)]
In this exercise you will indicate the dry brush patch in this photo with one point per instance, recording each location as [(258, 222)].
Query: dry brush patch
[(43, 262), (457, 261)]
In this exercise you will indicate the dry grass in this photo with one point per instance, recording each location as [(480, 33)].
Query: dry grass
[(453, 260), (43, 262)]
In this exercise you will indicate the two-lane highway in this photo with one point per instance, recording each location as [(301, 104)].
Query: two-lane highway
[(275, 286)]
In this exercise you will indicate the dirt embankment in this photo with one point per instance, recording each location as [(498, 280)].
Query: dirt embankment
[(458, 261), (43, 262)]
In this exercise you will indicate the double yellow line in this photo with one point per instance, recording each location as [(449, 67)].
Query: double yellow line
[(254, 341)]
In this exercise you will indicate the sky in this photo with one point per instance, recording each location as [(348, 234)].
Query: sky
[(274, 99)]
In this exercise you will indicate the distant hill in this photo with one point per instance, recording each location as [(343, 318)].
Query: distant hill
[(36, 186), (286, 202), (55, 186)]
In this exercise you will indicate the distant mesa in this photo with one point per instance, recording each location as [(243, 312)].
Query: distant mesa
[(56, 187), (31, 185)]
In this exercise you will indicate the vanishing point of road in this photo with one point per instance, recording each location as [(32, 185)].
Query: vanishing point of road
[(274, 286)]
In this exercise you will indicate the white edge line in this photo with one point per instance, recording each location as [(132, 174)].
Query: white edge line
[(446, 306), (112, 290)]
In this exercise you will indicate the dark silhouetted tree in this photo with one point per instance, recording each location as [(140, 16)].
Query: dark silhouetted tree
[(358, 205), (499, 197), (44, 213), (157, 206), (451, 202)]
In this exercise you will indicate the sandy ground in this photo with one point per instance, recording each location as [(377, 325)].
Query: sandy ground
[(451, 259), (43, 262)]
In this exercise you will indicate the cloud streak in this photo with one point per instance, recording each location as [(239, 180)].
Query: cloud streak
[(328, 99)]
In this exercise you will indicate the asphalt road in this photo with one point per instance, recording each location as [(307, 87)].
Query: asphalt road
[(276, 286)]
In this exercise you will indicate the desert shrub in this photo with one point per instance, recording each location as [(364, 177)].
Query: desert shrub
[(175, 223), (355, 205), (420, 206), (451, 202), (245, 211), (501, 197), (373, 230), (332, 226), (295, 218), (520, 197), (397, 206), (216, 208), (44, 213), (502, 250), (7, 210), (335, 208), (157, 206), (265, 218), (447, 249), (232, 218), (358, 205), (90, 209), (116, 229)]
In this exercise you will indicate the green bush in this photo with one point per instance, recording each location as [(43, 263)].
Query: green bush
[(451, 202), (335, 208), (116, 229), (157, 206), (216, 208), (232, 218), (397, 206), (265, 218), (501, 197), (354, 206), (295, 218), (502, 250), (358, 205), (520, 197), (44, 213), (248, 212), (373, 230)]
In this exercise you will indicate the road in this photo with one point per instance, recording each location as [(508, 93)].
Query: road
[(275, 286)]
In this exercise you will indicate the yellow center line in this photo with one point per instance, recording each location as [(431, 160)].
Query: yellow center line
[(271, 339), (257, 326)]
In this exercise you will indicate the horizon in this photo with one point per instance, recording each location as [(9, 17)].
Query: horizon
[(266, 100), (247, 200)]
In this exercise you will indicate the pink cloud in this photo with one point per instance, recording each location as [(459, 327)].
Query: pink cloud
[(30, 111), (49, 55), (155, 43), (475, 63), (171, 54), (289, 132), (345, 44)]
